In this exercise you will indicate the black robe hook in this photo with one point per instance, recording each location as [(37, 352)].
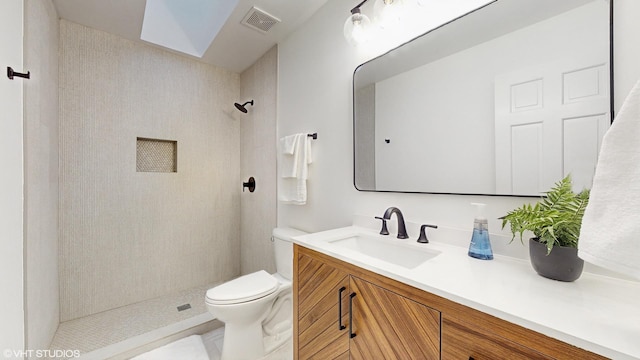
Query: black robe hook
[(11, 74)]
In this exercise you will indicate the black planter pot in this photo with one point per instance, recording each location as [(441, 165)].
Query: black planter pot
[(561, 264)]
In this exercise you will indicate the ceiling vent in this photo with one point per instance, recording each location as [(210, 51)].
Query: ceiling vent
[(259, 20)]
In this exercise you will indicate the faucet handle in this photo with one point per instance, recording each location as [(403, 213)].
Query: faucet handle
[(384, 230), (423, 233)]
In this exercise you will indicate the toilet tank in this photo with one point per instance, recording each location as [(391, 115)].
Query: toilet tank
[(283, 250)]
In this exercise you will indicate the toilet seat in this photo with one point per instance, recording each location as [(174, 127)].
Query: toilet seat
[(243, 289)]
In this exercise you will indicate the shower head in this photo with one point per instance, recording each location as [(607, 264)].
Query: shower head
[(242, 107)]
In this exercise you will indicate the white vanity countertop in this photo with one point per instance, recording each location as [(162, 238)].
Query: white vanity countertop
[(597, 313)]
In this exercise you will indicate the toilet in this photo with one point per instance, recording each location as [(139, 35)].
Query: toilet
[(257, 308)]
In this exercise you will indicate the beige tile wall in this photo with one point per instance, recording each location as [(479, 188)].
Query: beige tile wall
[(41, 172), (127, 236), (258, 150)]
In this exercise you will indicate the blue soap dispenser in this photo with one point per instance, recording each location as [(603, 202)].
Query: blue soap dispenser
[(480, 247)]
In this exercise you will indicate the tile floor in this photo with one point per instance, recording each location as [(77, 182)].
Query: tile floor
[(103, 329)]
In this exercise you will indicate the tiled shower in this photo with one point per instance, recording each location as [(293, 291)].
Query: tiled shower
[(126, 236)]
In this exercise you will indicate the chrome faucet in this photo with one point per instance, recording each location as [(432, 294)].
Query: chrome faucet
[(402, 230)]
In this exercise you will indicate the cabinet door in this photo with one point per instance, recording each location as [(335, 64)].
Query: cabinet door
[(389, 326), (462, 341), (322, 307)]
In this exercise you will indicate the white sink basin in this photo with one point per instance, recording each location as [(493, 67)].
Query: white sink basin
[(389, 250)]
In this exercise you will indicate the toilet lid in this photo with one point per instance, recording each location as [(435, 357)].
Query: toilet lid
[(245, 288)]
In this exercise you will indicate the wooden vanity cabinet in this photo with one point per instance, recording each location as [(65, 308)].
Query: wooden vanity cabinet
[(340, 316), (392, 320)]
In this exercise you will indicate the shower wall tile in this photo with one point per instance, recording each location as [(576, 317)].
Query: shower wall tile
[(128, 236), (42, 306), (258, 159)]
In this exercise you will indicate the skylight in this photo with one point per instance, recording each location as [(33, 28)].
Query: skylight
[(187, 26)]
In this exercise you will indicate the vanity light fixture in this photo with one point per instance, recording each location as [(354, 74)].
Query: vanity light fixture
[(357, 25), (386, 14)]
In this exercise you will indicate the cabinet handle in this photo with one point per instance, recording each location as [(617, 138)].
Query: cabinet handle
[(340, 326), (351, 333)]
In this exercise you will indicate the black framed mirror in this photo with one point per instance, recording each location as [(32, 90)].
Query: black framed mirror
[(504, 100)]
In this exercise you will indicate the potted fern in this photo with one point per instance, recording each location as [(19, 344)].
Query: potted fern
[(555, 222)]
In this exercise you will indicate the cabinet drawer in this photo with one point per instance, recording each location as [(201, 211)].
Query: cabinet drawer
[(463, 341)]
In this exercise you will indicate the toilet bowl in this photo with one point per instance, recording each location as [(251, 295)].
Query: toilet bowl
[(257, 308)]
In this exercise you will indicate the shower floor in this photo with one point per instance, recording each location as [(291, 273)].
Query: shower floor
[(136, 328)]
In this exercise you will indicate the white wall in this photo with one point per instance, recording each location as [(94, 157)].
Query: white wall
[(11, 181), (315, 65), (315, 71), (41, 173), (626, 60)]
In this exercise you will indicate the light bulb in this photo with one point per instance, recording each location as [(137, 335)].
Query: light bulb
[(356, 28), (387, 12)]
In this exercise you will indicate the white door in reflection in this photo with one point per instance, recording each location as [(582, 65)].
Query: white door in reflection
[(549, 122)]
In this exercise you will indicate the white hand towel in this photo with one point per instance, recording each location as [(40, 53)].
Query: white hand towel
[(294, 169), (610, 234), (289, 147), (288, 144)]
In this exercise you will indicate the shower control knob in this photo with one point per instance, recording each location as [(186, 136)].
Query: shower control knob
[(251, 185)]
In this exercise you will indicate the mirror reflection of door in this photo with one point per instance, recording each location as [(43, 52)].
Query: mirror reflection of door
[(549, 123)]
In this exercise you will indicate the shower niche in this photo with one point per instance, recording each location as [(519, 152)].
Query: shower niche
[(156, 155)]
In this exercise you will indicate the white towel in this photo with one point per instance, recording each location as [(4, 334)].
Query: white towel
[(290, 147), (294, 168), (288, 144), (610, 234)]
